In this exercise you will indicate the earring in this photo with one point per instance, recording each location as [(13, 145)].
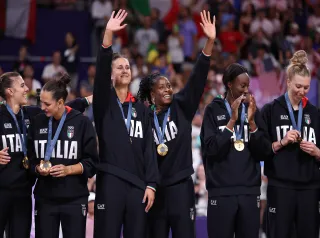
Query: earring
[(153, 102)]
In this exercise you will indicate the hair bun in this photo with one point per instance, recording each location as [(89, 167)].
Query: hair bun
[(299, 58), (64, 80)]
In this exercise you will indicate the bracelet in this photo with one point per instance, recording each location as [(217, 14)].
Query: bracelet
[(281, 143)]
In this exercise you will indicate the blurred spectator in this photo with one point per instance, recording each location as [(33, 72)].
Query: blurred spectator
[(230, 38), (188, 31), (22, 61), (264, 62), (158, 24), (138, 70), (246, 18), (100, 12), (261, 22), (54, 69), (294, 38), (91, 74), (90, 215), (146, 36), (70, 59), (314, 19), (86, 90), (29, 80), (175, 43)]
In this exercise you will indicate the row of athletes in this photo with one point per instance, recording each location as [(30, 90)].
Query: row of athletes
[(146, 153)]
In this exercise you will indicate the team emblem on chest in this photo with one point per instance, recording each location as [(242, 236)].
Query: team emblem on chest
[(307, 119), (134, 113), (70, 132)]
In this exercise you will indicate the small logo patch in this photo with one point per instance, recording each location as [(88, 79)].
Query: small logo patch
[(84, 209), (44, 131), (192, 214), (213, 202), (284, 117), (70, 132), (272, 209), (100, 207), (7, 125), (221, 117)]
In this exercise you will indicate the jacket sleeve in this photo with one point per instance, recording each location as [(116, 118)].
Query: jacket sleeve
[(79, 104), (266, 144), (215, 143), (102, 86), (150, 156), (189, 97), (33, 160), (260, 145), (89, 159)]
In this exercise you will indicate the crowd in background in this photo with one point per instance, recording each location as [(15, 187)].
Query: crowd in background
[(262, 36)]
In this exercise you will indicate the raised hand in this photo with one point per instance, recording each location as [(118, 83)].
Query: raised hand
[(114, 23), (252, 108), (208, 26)]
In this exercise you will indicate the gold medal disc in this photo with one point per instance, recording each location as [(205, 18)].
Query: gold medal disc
[(45, 165), (25, 162), (239, 145), (162, 149)]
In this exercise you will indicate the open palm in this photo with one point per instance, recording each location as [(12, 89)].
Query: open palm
[(209, 28), (114, 23)]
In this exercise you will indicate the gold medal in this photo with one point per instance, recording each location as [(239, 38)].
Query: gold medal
[(25, 162), (162, 149), (45, 165), (239, 145), (299, 139)]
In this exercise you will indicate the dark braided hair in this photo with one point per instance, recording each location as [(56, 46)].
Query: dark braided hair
[(146, 86), (231, 73)]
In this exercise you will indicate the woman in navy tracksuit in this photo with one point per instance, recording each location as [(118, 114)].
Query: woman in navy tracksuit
[(231, 132), (292, 160), (172, 116), (127, 176), (63, 154)]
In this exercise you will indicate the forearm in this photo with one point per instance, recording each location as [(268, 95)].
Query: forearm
[(75, 169), (107, 39), (207, 49)]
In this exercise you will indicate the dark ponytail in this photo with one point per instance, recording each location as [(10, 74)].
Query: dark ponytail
[(6, 82), (58, 87)]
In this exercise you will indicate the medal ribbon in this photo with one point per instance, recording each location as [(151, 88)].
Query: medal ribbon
[(293, 120), (242, 118), (164, 123), (52, 143), (24, 129), (128, 115)]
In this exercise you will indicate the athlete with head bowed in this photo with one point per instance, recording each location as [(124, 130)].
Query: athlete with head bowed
[(292, 162), (15, 181), (172, 117), (230, 139), (127, 177), (63, 154)]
